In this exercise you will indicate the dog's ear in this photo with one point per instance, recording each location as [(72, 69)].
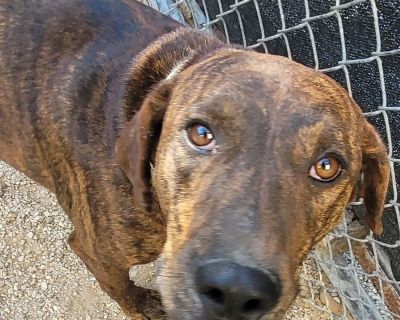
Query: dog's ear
[(376, 172), (136, 146)]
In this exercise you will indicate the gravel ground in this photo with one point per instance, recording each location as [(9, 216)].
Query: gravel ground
[(40, 277)]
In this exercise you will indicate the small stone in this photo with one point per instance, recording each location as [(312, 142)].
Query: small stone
[(44, 286), (337, 299)]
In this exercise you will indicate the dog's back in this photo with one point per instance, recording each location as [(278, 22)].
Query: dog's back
[(57, 70)]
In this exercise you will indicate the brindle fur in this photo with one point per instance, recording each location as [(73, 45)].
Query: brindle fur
[(85, 109)]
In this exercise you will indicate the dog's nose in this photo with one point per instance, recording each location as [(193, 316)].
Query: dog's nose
[(238, 292)]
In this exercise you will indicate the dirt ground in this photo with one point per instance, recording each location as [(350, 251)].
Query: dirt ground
[(40, 277)]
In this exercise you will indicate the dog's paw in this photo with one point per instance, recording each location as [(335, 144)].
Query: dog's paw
[(151, 306), (142, 304)]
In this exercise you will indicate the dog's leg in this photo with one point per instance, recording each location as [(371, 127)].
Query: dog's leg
[(136, 302)]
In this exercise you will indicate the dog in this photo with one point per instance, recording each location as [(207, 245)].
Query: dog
[(158, 139)]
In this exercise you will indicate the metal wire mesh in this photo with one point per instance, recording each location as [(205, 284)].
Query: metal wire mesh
[(358, 44)]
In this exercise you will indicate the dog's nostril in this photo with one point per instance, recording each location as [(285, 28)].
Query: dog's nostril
[(252, 305), (215, 295)]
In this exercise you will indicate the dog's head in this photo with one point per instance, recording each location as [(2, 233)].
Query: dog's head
[(255, 158)]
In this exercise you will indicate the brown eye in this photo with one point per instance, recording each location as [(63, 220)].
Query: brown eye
[(326, 169), (201, 137)]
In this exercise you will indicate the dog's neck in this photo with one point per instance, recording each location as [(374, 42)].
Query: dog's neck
[(164, 59)]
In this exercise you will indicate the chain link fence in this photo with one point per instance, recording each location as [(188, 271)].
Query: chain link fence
[(350, 274)]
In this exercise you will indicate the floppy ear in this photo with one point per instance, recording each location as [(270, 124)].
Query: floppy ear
[(376, 171), (136, 146)]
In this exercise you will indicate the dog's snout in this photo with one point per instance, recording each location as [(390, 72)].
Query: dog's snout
[(231, 290)]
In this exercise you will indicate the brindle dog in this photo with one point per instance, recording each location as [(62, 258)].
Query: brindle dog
[(229, 162)]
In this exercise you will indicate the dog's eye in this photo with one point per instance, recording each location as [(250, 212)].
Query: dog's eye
[(201, 137), (326, 169)]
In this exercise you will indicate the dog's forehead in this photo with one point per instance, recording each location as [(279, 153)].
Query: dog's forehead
[(271, 82)]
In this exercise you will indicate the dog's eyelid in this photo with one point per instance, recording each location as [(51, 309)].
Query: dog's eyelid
[(194, 121), (334, 154)]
